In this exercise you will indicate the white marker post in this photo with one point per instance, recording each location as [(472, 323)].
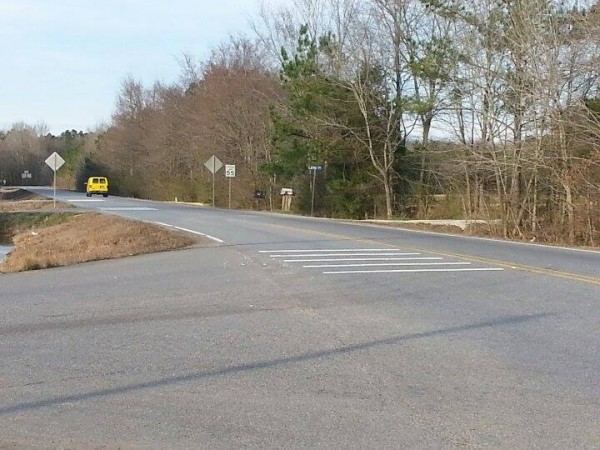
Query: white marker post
[(314, 170), (55, 162), (230, 173)]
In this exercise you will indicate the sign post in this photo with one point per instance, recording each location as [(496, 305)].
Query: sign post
[(213, 164), (230, 173), (313, 169), (55, 162)]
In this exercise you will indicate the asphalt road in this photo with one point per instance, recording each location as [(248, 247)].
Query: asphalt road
[(296, 332)]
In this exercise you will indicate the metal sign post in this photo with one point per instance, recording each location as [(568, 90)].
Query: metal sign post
[(313, 169), (55, 162), (230, 173), (213, 164)]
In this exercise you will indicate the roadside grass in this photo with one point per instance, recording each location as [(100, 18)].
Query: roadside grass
[(16, 194), (470, 229), (48, 238), (22, 200), (14, 223), (78, 238), (31, 205)]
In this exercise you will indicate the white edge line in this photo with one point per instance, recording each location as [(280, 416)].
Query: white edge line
[(322, 266), (491, 269), (478, 238), (220, 241)]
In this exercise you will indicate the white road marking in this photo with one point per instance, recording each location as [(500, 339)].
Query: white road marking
[(349, 259), (330, 250), (125, 208), (220, 241), (361, 258), (481, 269), (324, 255), (322, 266), (86, 200)]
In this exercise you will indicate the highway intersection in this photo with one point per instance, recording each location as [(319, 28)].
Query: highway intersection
[(300, 332)]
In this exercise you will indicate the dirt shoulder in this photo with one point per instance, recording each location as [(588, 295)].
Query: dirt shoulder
[(43, 238), (463, 227), (473, 228)]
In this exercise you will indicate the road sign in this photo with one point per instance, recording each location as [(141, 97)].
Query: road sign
[(315, 168), (230, 170), (213, 164), (55, 161), (230, 173)]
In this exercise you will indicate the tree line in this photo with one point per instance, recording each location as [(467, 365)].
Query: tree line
[(477, 109), (24, 149)]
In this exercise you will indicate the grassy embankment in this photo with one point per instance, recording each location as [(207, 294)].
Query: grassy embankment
[(43, 238)]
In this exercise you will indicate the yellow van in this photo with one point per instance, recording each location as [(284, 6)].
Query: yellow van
[(96, 185)]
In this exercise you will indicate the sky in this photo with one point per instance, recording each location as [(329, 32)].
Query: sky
[(62, 62)]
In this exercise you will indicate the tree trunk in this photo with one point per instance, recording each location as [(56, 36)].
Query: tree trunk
[(388, 196), (570, 213)]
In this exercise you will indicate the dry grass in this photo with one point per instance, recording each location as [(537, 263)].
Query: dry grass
[(89, 237), (21, 200), (15, 194), (45, 239), (30, 205), (471, 229)]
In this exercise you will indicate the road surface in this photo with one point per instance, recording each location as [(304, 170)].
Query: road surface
[(297, 332)]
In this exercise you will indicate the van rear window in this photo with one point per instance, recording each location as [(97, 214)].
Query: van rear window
[(96, 180)]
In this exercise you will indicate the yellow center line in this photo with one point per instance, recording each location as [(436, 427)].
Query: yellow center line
[(503, 264)]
